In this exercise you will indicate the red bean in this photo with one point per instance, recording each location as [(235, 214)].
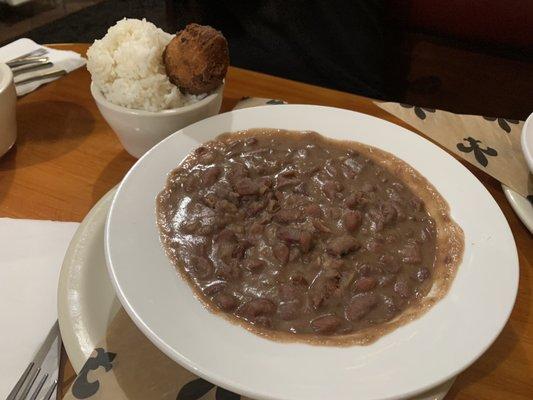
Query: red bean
[(263, 321), (210, 200), (295, 236), (228, 272), (342, 245), (202, 268), (240, 250), (326, 324), (214, 287), (256, 229), (411, 254), (333, 263), (207, 157), (416, 204), (257, 307), (236, 172), (390, 306), (325, 289), (251, 141), (331, 170), (422, 274), (320, 226), (331, 188), (286, 216), (190, 227), (255, 208), (352, 220), (281, 252), (386, 280), (225, 206), (360, 305), (226, 235), (368, 187), (354, 165), (272, 206), (283, 182), (289, 310), (402, 289), (368, 269), (224, 250), (288, 292), (253, 265), (289, 235), (364, 284), (374, 245), (246, 187), (313, 210), (200, 150), (305, 241), (389, 213), (299, 280), (355, 200), (294, 253), (226, 302), (210, 176)]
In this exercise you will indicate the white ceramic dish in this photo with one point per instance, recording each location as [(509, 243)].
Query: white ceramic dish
[(87, 301), (139, 130), (526, 140), (521, 206), (413, 358), (8, 102)]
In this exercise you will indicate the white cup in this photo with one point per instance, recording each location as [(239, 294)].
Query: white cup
[(8, 103)]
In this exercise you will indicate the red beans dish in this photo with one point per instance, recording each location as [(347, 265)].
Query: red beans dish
[(297, 236)]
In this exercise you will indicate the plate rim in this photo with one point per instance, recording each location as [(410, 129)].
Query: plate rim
[(238, 387), (70, 340), (511, 197)]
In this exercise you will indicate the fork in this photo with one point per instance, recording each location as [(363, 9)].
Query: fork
[(28, 381), (28, 57), (47, 75)]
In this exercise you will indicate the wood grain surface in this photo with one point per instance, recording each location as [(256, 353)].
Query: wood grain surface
[(66, 158)]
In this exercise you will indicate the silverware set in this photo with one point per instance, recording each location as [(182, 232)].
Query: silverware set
[(31, 62)]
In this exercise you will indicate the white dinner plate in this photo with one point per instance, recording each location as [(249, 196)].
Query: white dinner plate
[(86, 299), (411, 359)]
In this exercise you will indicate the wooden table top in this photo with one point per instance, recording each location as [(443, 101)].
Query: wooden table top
[(67, 157)]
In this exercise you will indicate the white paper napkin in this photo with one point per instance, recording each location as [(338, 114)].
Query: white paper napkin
[(31, 253), (62, 59)]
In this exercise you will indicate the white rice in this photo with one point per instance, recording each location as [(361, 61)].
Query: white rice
[(127, 66)]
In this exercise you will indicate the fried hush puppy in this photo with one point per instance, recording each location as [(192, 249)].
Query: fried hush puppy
[(197, 59)]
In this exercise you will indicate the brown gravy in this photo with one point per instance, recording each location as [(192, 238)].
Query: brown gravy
[(297, 236)]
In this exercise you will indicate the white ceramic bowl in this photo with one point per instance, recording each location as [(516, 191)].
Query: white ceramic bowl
[(527, 142), (8, 102), (140, 130), (407, 361)]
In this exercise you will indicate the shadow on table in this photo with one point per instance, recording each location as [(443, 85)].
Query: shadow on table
[(47, 130), (112, 174), (7, 172)]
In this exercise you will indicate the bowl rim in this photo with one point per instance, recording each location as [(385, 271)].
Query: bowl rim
[(527, 131), (101, 100), (6, 77)]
